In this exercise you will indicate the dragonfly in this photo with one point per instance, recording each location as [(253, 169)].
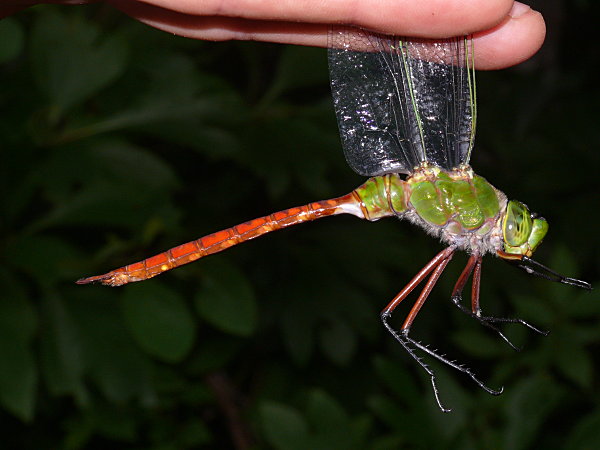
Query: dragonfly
[(406, 111)]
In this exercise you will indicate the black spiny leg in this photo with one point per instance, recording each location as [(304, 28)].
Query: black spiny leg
[(474, 266), (436, 266)]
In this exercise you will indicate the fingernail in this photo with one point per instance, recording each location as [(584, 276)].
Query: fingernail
[(518, 9)]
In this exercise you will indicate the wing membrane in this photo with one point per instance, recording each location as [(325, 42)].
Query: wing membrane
[(402, 102)]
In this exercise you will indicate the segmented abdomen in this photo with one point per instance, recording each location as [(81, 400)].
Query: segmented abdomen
[(222, 240)]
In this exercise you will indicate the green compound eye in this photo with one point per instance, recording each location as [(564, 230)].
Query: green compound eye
[(517, 224)]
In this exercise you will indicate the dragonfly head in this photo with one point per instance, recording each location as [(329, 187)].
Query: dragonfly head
[(522, 231)]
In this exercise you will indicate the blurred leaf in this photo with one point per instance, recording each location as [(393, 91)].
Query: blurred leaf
[(352, 435), (300, 140), (360, 429), (111, 423), (338, 341), (155, 116), (18, 377), (585, 305), (563, 261), (63, 362), (457, 397), (297, 329), (386, 442), (114, 362), (45, 258), (331, 427), (530, 403), (11, 39), (159, 321), (283, 426), (586, 434), (479, 344), (324, 413), (397, 377), (530, 306), (213, 354), (403, 412), (106, 205), (194, 433), (293, 71), (71, 60), (226, 299), (136, 165), (575, 363), (18, 317), (405, 424)]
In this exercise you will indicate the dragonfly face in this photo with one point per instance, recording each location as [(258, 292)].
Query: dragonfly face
[(521, 230)]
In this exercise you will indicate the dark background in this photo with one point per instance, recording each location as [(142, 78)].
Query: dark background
[(119, 141)]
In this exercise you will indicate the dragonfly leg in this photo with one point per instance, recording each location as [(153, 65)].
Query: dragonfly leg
[(474, 266), (403, 338), (436, 266), (441, 259)]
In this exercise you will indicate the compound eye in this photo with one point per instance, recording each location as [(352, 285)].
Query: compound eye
[(517, 224)]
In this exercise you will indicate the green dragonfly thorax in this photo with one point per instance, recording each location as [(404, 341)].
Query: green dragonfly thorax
[(459, 207), (458, 200)]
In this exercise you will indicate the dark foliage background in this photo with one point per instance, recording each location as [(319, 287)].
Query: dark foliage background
[(119, 141)]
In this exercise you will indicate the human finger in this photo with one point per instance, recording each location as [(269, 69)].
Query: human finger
[(510, 40)]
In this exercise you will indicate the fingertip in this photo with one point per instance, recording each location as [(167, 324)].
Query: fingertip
[(513, 41)]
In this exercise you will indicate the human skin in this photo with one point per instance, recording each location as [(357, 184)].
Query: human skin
[(505, 32)]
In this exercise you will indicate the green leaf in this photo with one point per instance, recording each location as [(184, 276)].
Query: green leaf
[(399, 379), (584, 305), (332, 427), (159, 321), (63, 361), (297, 329), (338, 342), (575, 363), (99, 205), (18, 374), (18, 316), (585, 434), (299, 67), (194, 434), (18, 377), (227, 300), (138, 166), (11, 39), (478, 344), (528, 406), (71, 60), (323, 412), (115, 363), (112, 422), (45, 258), (214, 353), (532, 307), (390, 412), (563, 261), (284, 427), (387, 442)]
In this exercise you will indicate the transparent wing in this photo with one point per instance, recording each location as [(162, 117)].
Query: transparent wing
[(402, 102)]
